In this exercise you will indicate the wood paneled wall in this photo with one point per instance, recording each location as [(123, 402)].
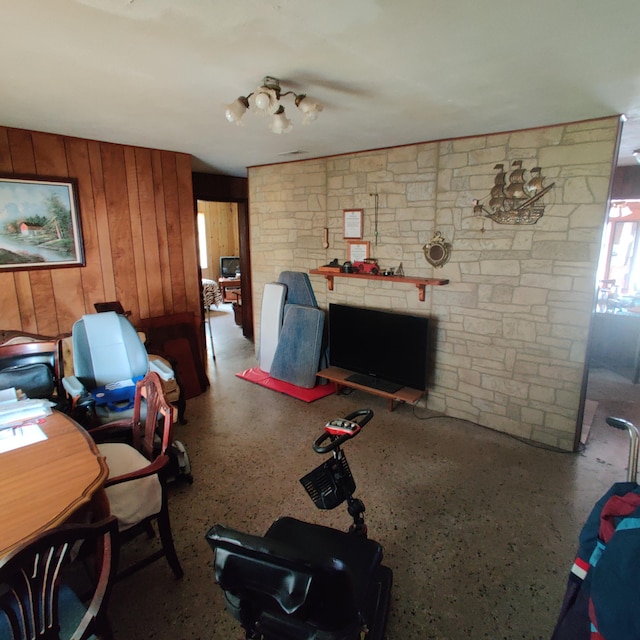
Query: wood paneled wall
[(626, 183), (138, 225)]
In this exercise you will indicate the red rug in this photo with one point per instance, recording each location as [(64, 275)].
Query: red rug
[(257, 376)]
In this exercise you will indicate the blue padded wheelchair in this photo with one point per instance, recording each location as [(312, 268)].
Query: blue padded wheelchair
[(303, 581)]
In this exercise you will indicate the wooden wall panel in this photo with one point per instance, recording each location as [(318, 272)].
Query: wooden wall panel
[(44, 302), (21, 151), (6, 165), (138, 226), (163, 236), (49, 155), (149, 223), (102, 223), (188, 226), (9, 300), (136, 234), (174, 232), (25, 303), (626, 183), (91, 274), (115, 187)]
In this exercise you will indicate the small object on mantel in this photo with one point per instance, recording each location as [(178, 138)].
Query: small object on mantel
[(333, 267), (399, 271)]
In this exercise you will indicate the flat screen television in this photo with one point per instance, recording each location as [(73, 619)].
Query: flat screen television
[(229, 266), (384, 349)]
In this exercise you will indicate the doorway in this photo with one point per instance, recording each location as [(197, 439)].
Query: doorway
[(614, 345), (227, 190), (218, 238), (220, 247)]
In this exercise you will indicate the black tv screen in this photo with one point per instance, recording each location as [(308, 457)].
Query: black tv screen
[(229, 266), (382, 346)]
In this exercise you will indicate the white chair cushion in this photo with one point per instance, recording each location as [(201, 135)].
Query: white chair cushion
[(134, 500)]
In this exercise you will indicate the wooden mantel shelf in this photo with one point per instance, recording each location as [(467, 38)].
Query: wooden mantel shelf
[(421, 283)]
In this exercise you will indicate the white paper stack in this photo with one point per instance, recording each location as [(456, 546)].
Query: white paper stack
[(19, 411)]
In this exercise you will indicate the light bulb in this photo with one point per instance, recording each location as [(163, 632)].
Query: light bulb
[(309, 107), (234, 111), (280, 123), (262, 101)]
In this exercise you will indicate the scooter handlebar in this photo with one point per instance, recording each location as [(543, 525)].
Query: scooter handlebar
[(360, 417)]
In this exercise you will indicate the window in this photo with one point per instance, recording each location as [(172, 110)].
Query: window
[(619, 265), (202, 241)]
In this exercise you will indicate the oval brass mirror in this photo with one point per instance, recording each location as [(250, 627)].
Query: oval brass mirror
[(437, 251)]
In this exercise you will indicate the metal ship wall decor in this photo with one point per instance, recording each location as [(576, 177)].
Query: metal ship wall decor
[(513, 198)]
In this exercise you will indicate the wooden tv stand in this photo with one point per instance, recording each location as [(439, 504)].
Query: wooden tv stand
[(339, 376)]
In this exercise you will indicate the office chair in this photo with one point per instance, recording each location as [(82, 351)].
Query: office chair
[(36, 601)]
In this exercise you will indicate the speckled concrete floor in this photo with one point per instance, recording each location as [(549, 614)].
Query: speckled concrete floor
[(479, 528)]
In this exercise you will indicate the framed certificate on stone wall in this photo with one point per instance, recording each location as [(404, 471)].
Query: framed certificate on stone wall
[(352, 223), (357, 251)]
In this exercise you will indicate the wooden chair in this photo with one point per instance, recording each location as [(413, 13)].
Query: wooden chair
[(137, 461), (37, 603)]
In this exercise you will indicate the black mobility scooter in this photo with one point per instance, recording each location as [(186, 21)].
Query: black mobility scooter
[(303, 581)]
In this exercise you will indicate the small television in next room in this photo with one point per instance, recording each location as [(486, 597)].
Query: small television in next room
[(229, 266), (385, 350)]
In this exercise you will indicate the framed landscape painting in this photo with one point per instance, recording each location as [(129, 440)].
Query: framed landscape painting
[(39, 223)]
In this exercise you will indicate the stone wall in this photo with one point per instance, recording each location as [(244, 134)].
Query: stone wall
[(512, 326)]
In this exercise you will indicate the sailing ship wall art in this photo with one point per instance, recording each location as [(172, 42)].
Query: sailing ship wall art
[(514, 198)]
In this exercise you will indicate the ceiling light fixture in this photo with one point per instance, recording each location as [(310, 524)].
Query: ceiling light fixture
[(265, 101)]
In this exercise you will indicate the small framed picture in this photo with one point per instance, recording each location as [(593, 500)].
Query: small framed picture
[(357, 251), (352, 223)]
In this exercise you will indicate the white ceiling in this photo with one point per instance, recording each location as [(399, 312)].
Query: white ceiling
[(157, 73)]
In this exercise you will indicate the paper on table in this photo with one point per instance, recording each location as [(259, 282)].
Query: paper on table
[(17, 437), (14, 413)]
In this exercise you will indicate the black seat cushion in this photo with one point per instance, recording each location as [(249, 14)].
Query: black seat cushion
[(360, 555), (298, 575)]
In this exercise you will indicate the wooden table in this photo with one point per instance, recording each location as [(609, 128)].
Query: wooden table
[(226, 284), (43, 484)]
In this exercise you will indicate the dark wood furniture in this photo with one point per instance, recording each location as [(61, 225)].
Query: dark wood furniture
[(227, 285), (175, 337), (339, 376), (141, 458), (35, 599)]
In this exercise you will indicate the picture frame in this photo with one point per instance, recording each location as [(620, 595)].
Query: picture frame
[(357, 250), (352, 223), (39, 223)]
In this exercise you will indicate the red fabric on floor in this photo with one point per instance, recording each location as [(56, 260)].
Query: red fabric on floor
[(257, 376)]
